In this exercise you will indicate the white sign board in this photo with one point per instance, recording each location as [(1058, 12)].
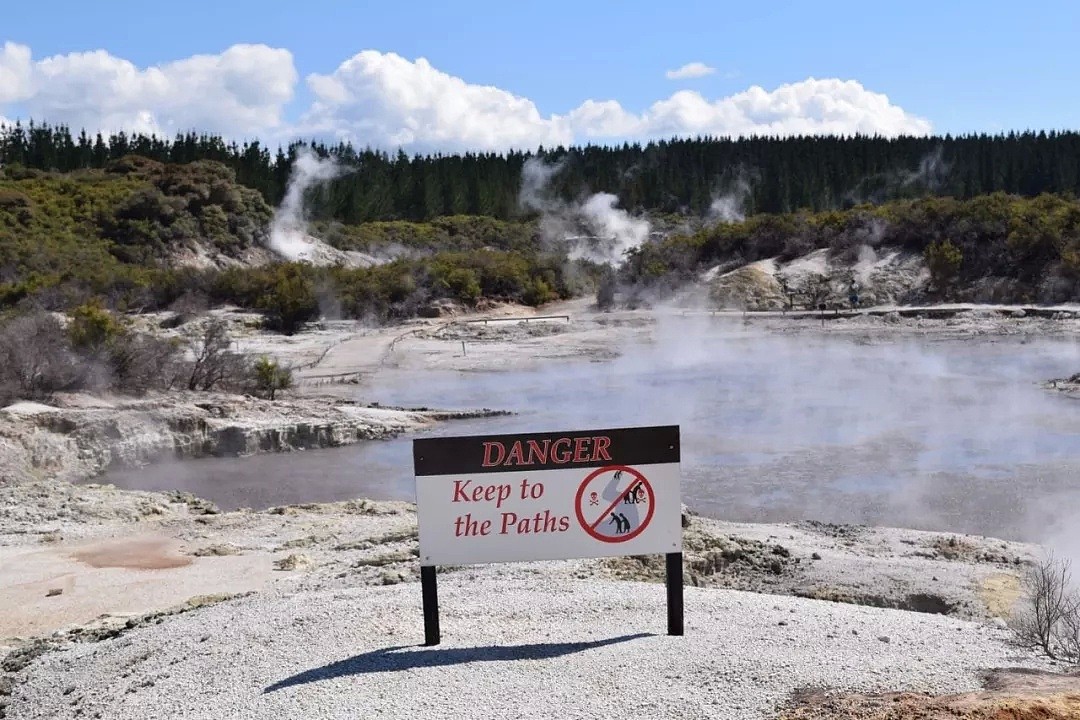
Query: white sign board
[(548, 496)]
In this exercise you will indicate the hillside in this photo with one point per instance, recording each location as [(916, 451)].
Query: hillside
[(143, 235), (994, 248), (106, 231)]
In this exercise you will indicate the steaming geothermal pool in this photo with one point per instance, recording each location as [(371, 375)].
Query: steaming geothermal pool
[(942, 435)]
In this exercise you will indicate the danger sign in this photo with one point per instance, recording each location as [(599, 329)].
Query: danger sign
[(548, 496)]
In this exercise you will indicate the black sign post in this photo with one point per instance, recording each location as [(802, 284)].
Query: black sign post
[(674, 582), (429, 589)]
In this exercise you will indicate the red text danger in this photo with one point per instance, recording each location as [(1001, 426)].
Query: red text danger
[(541, 452)]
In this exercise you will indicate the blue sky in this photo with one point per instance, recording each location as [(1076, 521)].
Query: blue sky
[(963, 66)]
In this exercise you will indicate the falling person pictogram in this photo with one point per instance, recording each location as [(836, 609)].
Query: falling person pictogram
[(636, 495)]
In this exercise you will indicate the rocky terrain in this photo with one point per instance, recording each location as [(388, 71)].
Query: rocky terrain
[(1018, 694), (879, 277), (78, 437)]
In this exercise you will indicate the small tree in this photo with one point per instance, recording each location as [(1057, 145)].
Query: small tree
[(35, 358), (213, 364), (93, 327), (818, 289), (140, 362), (786, 289), (462, 284), (605, 294), (943, 259), (1050, 617), (270, 377), (290, 300), (96, 335)]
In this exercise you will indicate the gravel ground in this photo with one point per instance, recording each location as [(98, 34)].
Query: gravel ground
[(512, 646)]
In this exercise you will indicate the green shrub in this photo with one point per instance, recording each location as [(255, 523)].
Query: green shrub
[(288, 299), (943, 259), (93, 328), (269, 377)]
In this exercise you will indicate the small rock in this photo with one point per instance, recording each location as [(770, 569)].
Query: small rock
[(854, 632), (884, 638), (782, 622), (217, 551), (54, 592), (296, 561), (815, 556), (391, 578)]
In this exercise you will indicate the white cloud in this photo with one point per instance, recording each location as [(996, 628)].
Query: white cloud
[(15, 71), (242, 90), (387, 101), (809, 107), (690, 70)]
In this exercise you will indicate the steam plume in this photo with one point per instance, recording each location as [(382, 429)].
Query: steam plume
[(730, 205), (613, 230), (929, 177), (288, 229)]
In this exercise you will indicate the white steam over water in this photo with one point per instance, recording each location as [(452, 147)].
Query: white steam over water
[(288, 229), (899, 431)]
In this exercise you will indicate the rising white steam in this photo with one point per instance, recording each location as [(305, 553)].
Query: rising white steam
[(612, 231), (729, 205), (617, 232), (288, 229), (929, 177)]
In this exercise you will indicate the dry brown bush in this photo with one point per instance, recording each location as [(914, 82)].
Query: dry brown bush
[(36, 359), (1049, 619)]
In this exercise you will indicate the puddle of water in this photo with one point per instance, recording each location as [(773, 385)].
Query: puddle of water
[(149, 554), (939, 435)]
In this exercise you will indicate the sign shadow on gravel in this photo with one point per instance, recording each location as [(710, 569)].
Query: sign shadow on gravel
[(393, 660)]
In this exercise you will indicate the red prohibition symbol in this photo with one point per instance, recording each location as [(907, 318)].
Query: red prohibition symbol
[(637, 484)]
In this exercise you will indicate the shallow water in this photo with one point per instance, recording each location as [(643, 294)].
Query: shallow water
[(946, 435)]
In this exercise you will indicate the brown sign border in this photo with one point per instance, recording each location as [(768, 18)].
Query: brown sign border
[(464, 455)]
